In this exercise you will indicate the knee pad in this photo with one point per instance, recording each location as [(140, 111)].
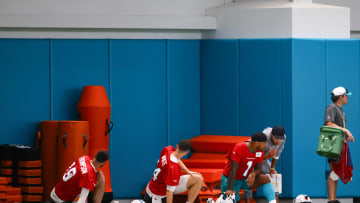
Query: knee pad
[(333, 176)]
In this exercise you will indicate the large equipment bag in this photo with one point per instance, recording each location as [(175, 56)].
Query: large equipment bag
[(331, 141)]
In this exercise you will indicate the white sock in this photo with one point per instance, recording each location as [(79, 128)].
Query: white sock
[(273, 201)]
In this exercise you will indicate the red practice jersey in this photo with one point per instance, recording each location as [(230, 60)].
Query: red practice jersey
[(247, 160), (81, 174), (167, 172)]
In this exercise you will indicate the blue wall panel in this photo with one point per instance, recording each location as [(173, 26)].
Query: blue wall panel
[(138, 80), (343, 70), (154, 88), (25, 89), (183, 67), (309, 70), (76, 63), (219, 87), (260, 85), (283, 165)]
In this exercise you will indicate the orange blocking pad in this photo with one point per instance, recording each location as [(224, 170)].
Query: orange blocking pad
[(30, 164), (30, 172), (210, 175), (2, 195), (3, 188), (13, 191), (215, 143), (6, 163), (199, 155), (3, 181), (205, 163), (6, 171), (29, 181), (17, 198), (32, 190), (32, 198)]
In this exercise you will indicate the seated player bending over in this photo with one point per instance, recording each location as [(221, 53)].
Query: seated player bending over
[(81, 178), (239, 174), (167, 179)]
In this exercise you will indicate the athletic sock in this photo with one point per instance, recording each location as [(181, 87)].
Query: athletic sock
[(269, 192)]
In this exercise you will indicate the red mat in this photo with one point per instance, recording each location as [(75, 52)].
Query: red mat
[(215, 143)]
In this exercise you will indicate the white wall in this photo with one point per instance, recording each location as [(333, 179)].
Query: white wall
[(110, 7), (106, 18), (354, 6), (123, 18), (279, 19)]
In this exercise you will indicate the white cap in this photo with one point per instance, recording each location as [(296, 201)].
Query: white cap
[(340, 91)]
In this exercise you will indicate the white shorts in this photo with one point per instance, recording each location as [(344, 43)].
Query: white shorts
[(180, 188), (182, 184)]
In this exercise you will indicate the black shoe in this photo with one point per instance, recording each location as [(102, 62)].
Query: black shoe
[(334, 201)]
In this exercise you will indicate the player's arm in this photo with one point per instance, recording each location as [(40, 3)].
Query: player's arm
[(272, 168), (232, 174), (257, 169), (251, 177), (83, 195), (346, 131), (185, 169), (170, 193)]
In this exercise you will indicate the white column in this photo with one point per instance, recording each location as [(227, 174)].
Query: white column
[(279, 19), (302, 1)]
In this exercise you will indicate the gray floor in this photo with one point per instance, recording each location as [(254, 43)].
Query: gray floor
[(314, 200)]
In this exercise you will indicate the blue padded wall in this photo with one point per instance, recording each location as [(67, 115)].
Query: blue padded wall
[(260, 85), (139, 112), (219, 87), (183, 78), (241, 94), (283, 165), (76, 63), (153, 87), (285, 81), (308, 93), (25, 89), (343, 70)]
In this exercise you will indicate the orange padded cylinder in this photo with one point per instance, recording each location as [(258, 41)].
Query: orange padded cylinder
[(61, 143), (72, 143), (47, 143), (94, 106)]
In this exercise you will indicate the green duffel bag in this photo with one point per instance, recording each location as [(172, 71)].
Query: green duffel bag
[(331, 141)]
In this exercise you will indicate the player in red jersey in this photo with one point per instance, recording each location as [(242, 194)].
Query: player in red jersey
[(167, 179), (81, 178), (239, 174)]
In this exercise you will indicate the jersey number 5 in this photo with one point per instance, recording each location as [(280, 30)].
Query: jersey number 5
[(70, 172), (156, 173)]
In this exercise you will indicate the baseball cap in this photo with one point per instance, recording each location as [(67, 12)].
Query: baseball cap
[(340, 91), (278, 132), (258, 137)]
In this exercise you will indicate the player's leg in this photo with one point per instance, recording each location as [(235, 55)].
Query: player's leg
[(332, 182), (247, 195), (332, 185), (236, 186), (277, 198), (192, 183), (100, 187), (264, 180)]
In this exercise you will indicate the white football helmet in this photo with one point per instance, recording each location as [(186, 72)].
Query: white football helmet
[(302, 198), (137, 201)]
